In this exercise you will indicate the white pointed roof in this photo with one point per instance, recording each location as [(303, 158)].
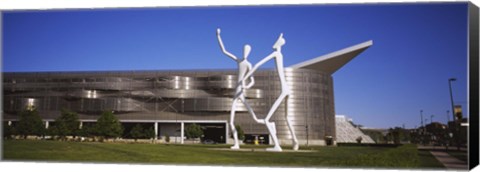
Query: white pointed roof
[(331, 62)]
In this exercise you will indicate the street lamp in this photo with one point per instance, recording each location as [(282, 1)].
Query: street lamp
[(448, 117), (421, 119), (426, 135), (447, 139), (451, 96), (455, 128)]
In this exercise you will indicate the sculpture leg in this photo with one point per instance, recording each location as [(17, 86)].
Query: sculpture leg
[(250, 110), (271, 125), (232, 126), (273, 133), (290, 127)]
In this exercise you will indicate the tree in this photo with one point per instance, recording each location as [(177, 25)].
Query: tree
[(240, 133), (193, 131), (67, 124), (9, 131), (87, 131), (30, 123), (137, 132), (108, 126), (150, 133), (359, 139), (167, 138), (395, 134), (377, 136)]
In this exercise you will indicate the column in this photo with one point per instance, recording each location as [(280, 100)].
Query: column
[(9, 123), (46, 124), (156, 130), (81, 125), (181, 132)]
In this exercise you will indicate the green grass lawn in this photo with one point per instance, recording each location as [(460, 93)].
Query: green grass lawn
[(406, 156)]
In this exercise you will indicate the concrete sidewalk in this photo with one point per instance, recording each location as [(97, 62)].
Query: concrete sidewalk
[(450, 162), (440, 148)]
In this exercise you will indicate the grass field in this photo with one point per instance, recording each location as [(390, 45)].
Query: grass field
[(406, 156)]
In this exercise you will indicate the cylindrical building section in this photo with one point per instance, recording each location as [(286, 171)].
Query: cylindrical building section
[(310, 105)]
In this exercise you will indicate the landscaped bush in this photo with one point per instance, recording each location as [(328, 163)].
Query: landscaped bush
[(193, 131), (108, 126), (9, 131), (137, 132), (30, 123), (167, 138), (65, 125), (240, 133)]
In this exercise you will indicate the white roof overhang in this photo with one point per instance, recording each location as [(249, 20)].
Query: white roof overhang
[(331, 62)]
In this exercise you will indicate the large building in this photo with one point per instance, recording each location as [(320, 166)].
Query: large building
[(168, 101)]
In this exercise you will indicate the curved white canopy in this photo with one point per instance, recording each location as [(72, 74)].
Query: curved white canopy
[(331, 62)]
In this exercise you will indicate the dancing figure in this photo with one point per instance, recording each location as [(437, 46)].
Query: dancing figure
[(285, 93), (243, 67)]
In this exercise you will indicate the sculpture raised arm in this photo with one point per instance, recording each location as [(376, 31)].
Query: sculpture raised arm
[(223, 47), (260, 63), (277, 48)]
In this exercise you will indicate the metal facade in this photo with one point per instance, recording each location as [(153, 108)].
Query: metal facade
[(203, 95)]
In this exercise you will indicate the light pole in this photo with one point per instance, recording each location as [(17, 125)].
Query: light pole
[(427, 135), (451, 96), (453, 110), (447, 139), (421, 119), (448, 117), (432, 133)]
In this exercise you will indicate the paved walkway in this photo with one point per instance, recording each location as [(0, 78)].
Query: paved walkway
[(449, 161), (441, 148)]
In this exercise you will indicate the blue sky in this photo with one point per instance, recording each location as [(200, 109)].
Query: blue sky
[(416, 48)]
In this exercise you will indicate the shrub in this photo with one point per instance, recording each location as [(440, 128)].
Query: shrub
[(167, 138), (359, 139), (240, 133), (66, 125), (136, 132), (149, 133), (108, 126), (30, 123), (193, 131), (9, 131), (87, 131)]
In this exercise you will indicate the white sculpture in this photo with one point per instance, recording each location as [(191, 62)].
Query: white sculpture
[(277, 54), (243, 67)]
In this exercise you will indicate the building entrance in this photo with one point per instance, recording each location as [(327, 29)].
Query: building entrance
[(213, 132), (256, 139)]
